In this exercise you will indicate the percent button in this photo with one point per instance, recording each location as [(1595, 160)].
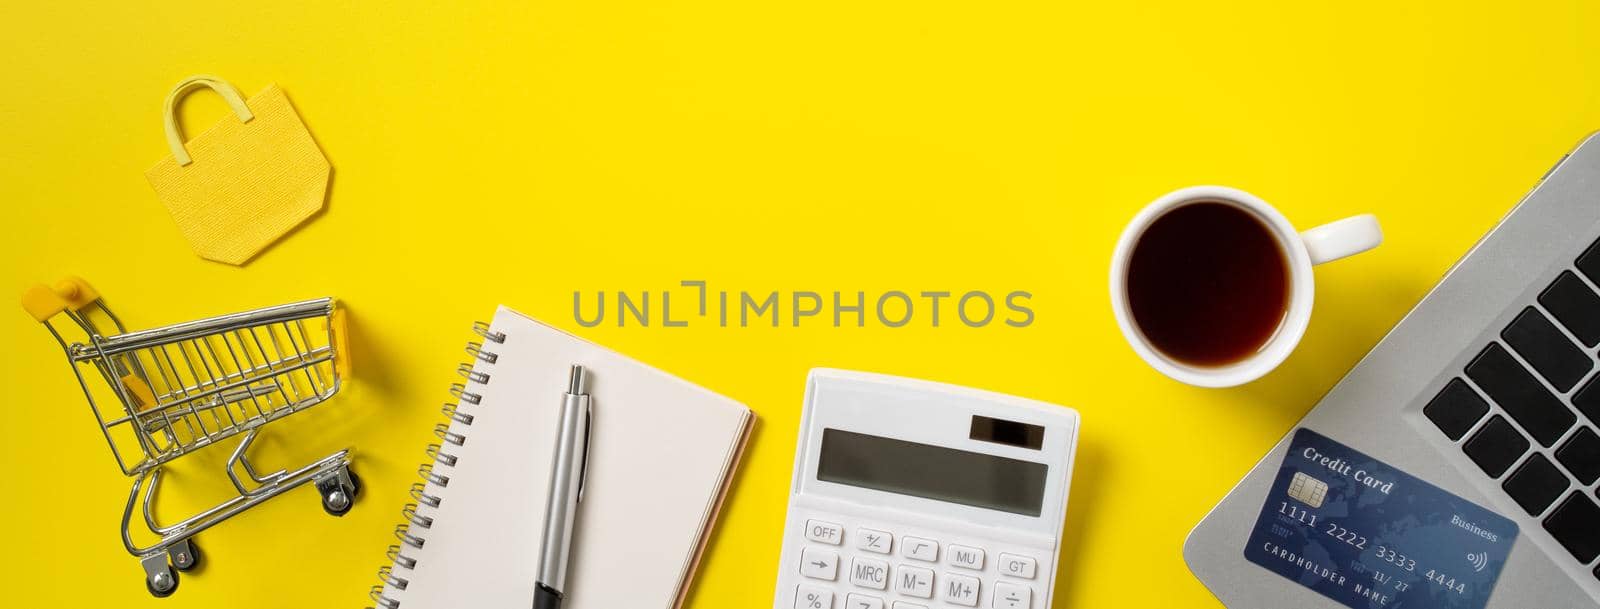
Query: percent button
[(812, 597)]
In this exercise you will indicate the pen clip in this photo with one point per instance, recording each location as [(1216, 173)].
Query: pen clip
[(583, 468)]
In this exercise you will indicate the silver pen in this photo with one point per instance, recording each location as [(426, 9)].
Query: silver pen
[(569, 468)]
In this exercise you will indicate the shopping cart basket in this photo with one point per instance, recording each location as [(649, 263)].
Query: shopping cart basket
[(183, 387)]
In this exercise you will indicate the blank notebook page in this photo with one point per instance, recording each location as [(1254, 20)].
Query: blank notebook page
[(661, 452)]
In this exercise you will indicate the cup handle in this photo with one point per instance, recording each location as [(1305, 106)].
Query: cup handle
[(1342, 238)]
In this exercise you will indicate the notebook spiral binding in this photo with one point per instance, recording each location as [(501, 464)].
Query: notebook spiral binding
[(414, 517)]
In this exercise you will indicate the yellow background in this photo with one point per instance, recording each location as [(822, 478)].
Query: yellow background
[(490, 154)]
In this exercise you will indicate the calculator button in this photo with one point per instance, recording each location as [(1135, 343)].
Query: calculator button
[(877, 542), (812, 597), (862, 601), (1017, 566), (960, 590), (965, 557), (824, 532), (906, 605), (1012, 596), (917, 548), (869, 573), (912, 581), (819, 564)]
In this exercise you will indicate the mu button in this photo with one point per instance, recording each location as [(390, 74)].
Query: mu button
[(965, 557)]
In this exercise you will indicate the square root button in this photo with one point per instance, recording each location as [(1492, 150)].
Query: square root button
[(917, 548)]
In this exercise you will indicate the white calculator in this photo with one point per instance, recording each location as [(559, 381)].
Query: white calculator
[(917, 495)]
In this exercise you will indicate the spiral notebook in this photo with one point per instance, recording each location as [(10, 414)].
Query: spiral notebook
[(662, 455)]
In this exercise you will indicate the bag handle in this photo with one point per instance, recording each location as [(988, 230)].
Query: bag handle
[(170, 113)]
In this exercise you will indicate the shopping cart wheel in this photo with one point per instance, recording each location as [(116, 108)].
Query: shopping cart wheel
[(339, 492), (162, 584), (185, 555)]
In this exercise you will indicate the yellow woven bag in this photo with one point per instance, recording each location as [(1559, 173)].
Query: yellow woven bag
[(246, 181)]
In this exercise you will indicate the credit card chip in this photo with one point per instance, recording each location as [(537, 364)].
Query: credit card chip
[(1307, 490)]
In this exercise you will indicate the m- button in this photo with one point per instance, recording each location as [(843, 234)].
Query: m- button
[(824, 532), (912, 581)]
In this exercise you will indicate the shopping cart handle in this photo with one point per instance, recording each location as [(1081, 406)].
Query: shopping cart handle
[(44, 302), (341, 341)]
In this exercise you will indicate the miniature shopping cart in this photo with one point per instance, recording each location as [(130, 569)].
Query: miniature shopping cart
[(162, 393)]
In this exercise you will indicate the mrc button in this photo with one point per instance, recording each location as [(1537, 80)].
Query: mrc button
[(824, 532)]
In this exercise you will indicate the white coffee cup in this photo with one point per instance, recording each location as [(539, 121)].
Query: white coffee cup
[(1301, 250)]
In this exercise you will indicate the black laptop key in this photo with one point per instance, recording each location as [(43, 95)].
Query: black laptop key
[(1574, 305), (1589, 262), (1587, 399), (1521, 395), (1536, 484), (1549, 351), (1456, 409), (1496, 446), (1581, 455), (1573, 524)]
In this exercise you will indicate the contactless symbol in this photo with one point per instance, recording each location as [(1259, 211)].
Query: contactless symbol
[(1307, 490), (1479, 561)]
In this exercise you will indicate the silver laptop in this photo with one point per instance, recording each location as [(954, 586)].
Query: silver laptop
[(1488, 390)]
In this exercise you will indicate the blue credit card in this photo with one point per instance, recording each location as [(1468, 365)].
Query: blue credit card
[(1370, 536)]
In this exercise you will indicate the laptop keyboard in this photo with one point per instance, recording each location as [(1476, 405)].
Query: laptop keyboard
[(1525, 411)]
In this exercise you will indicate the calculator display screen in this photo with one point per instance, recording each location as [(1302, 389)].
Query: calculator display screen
[(932, 472)]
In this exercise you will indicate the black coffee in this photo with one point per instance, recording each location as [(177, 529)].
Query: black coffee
[(1208, 284)]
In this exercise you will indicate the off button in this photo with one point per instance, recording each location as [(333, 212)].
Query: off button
[(824, 532)]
